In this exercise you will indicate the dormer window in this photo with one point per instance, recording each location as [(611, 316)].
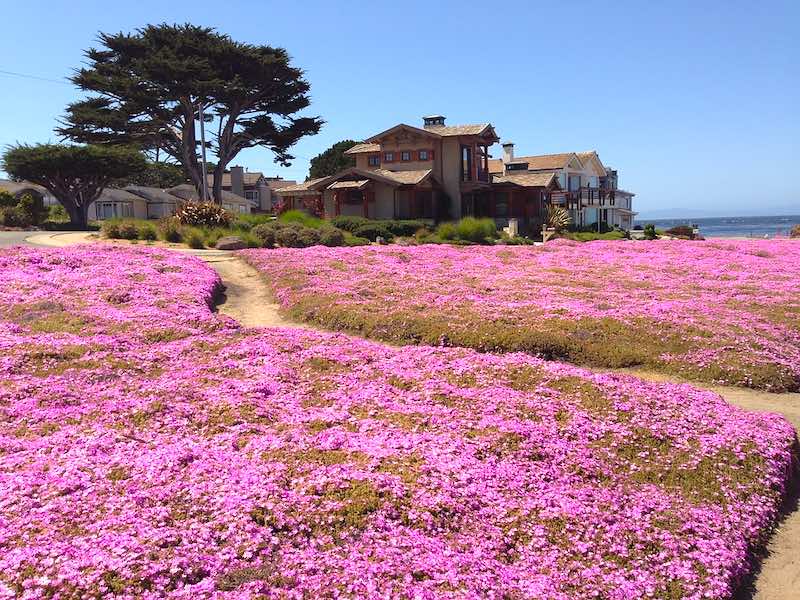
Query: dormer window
[(374, 160), (517, 167), (388, 157), (433, 121)]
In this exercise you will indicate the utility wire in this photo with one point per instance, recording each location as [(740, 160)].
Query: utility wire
[(26, 76)]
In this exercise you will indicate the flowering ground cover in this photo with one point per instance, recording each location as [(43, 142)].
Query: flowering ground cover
[(725, 312), (150, 448)]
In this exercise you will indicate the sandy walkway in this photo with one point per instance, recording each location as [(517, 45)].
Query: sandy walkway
[(247, 298)]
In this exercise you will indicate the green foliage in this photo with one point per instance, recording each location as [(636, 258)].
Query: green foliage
[(148, 232), (145, 84), (332, 160), (203, 214), (588, 236), (795, 233), (57, 214), (75, 175), (299, 216), (194, 239), (246, 222), (353, 240), (372, 230), (170, 230), (7, 199), (330, 236), (348, 223), (650, 232), (468, 229), (14, 216), (156, 174), (265, 233), (681, 231)]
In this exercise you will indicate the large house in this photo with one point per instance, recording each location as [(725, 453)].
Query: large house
[(588, 189), (440, 172)]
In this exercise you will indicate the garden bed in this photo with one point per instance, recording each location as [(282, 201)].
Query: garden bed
[(152, 448), (723, 312)]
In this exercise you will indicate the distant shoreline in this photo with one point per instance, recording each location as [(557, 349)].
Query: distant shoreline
[(769, 226)]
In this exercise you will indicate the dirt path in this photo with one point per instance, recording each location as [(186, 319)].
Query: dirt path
[(247, 298), (778, 577)]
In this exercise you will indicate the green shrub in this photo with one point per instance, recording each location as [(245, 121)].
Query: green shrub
[(57, 213), (372, 230), (795, 233), (110, 229), (7, 199), (681, 231), (148, 232), (405, 227), (353, 240), (128, 230), (308, 237), (265, 234), (471, 229), (330, 236), (194, 239), (348, 223), (250, 240), (288, 236), (303, 218), (246, 222), (447, 231), (170, 230), (650, 232), (15, 216), (32, 207), (203, 214)]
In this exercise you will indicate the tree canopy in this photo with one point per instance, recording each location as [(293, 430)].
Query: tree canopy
[(75, 175), (156, 174), (332, 160), (147, 88)]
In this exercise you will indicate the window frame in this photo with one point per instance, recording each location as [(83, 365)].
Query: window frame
[(388, 156), (374, 160), (423, 155)]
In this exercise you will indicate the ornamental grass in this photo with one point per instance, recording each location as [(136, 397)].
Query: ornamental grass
[(723, 311), (152, 448)]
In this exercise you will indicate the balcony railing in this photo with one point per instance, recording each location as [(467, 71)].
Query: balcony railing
[(585, 196)]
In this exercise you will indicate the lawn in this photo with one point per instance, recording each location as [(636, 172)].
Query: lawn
[(152, 448), (721, 311)]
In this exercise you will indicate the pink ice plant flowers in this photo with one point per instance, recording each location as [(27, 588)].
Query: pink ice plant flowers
[(151, 448), (722, 311)]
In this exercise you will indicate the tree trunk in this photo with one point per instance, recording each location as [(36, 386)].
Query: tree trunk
[(219, 171), (78, 213)]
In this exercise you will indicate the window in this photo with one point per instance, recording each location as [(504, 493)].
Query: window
[(405, 156), (517, 166), (374, 160), (466, 163), (388, 157), (112, 210), (252, 195), (423, 155)]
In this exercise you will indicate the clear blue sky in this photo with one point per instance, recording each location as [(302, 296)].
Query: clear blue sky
[(696, 103)]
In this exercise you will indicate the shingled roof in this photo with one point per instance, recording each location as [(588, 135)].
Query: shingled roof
[(363, 148), (452, 130), (525, 179)]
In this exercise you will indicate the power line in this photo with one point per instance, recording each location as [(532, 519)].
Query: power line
[(36, 77)]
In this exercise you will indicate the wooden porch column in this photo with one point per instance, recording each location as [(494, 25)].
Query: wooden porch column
[(415, 209)]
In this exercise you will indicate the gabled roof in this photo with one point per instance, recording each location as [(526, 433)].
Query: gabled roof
[(546, 161), (362, 148), (495, 165), (355, 177), (152, 194), (306, 187), (248, 177), (19, 187), (348, 185), (435, 131), (405, 177), (399, 127), (592, 156), (110, 194), (453, 130), (525, 179)]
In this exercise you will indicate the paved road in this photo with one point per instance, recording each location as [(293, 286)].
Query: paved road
[(13, 238)]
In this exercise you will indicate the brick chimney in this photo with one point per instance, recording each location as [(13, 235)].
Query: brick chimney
[(237, 181), (508, 152)]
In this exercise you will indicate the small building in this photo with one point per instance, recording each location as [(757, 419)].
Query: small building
[(252, 185)]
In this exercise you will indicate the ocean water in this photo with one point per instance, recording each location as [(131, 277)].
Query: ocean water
[(755, 227)]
